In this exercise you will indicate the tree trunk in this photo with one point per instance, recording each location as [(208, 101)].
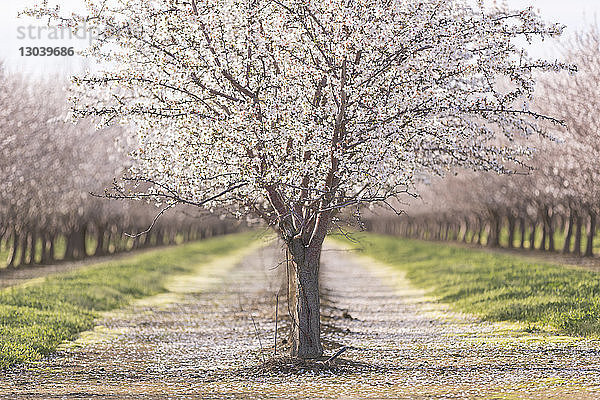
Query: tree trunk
[(480, 230), (47, 248), (100, 232), (44, 240), (532, 234), (160, 238), (567, 245), (27, 249), (544, 234), (117, 239), (304, 302), (135, 242), (70, 250), (589, 248), (456, 232), (147, 240), (511, 231), (494, 236), (51, 248), (108, 241), (522, 228), (22, 246), (550, 223), (32, 247), (12, 256), (466, 231), (577, 244)]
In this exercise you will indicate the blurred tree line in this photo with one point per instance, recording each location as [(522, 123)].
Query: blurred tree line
[(551, 204), (50, 165)]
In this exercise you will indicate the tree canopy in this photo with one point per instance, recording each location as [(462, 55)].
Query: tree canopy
[(295, 109)]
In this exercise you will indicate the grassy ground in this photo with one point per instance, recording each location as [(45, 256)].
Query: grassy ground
[(35, 318), (496, 287)]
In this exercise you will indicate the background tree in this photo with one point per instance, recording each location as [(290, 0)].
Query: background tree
[(575, 99), (552, 206), (294, 110), (49, 167)]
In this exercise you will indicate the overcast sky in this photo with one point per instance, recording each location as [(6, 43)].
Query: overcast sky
[(16, 32)]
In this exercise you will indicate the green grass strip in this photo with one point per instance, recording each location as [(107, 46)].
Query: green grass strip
[(495, 287), (36, 318)]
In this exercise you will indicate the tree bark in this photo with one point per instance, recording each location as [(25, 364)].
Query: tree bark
[(45, 245), (12, 256), (304, 302), (70, 250), (550, 223), (455, 232), (532, 232), (438, 231), (27, 249), (160, 238), (589, 248), (466, 231), (522, 228), (494, 236), (32, 247), (51, 248), (147, 240), (544, 234), (117, 239), (577, 244), (108, 242), (101, 232), (567, 245), (22, 246), (511, 231)]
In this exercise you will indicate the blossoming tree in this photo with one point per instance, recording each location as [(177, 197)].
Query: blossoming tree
[(293, 110)]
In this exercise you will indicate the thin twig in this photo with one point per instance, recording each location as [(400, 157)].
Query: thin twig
[(153, 222), (258, 336), (276, 315), (336, 355)]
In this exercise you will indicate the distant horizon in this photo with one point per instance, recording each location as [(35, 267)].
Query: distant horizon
[(575, 14)]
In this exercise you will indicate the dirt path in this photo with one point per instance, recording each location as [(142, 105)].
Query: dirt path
[(428, 351), (204, 339)]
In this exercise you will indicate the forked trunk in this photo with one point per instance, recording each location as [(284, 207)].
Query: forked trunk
[(304, 303)]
